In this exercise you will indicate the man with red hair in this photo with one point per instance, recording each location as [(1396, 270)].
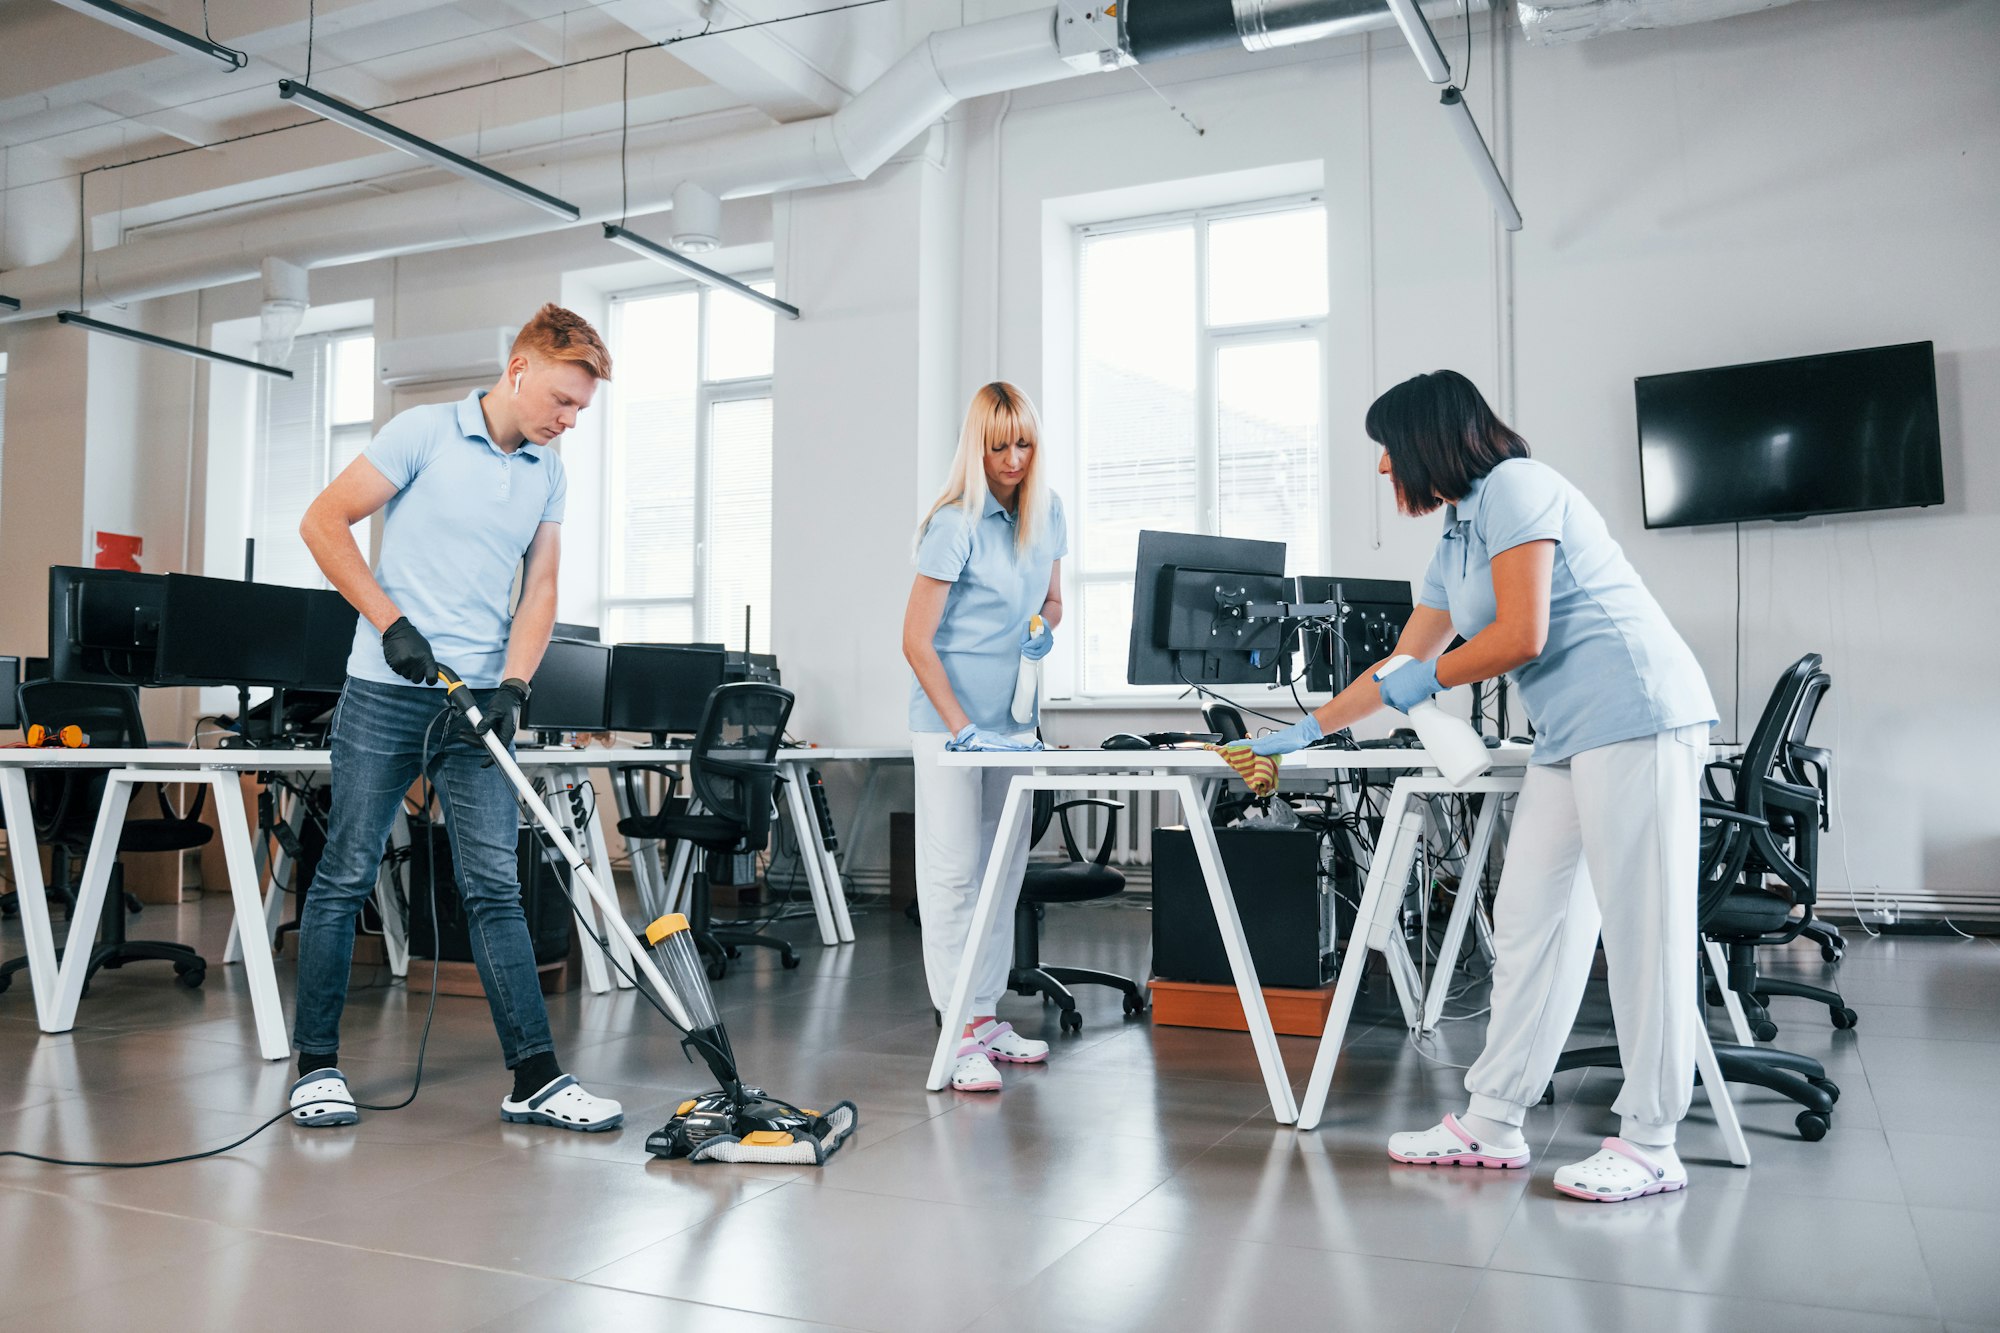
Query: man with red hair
[(471, 491)]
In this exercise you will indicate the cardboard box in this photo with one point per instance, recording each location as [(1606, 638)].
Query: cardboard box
[(1190, 1004)]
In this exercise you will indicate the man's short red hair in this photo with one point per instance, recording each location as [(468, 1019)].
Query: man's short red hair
[(556, 334)]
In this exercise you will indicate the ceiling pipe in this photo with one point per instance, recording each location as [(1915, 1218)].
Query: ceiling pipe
[(999, 55)]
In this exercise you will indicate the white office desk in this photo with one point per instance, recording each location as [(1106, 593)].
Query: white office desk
[(1193, 776)]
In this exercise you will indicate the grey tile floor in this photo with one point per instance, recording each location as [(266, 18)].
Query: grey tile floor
[(1135, 1182)]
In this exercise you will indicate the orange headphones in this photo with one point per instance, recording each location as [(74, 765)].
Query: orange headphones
[(70, 737)]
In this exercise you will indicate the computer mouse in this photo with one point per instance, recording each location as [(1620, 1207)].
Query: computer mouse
[(1125, 740)]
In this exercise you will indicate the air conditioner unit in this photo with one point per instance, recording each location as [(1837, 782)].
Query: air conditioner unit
[(472, 356)]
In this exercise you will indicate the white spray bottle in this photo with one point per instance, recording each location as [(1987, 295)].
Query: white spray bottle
[(1449, 741), (1028, 685)]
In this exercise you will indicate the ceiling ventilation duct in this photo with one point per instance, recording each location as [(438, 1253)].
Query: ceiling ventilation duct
[(1553, 22), (283, 310)]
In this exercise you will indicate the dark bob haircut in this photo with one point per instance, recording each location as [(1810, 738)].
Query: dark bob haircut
[(1441, 437)]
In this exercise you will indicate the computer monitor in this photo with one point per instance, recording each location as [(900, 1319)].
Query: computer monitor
[(329, 639), (232, 632), (10, 684), (1188, 599), (36, 668), (588, 633), (571, 690), (662, 688), (751, 666), (1373, 613), (104, 624)]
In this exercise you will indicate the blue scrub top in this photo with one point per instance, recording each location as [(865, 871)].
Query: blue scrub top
[(453, 535), (995, 592), (1613, 668)]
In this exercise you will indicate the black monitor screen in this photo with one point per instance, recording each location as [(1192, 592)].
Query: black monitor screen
[(329, 638), (1788, 439), (228, 632), (104, 624), (1372, 617), (588, 633), (571, 688), (663, 687), (10, 684), (1181, 633)]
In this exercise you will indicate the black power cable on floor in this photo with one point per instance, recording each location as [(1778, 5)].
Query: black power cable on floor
[(430, 793)]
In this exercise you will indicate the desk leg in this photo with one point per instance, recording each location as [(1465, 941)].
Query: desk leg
[(1739, 1022), (599, 852), (1276, 1082), (1013, 818), (265, 1001), (1719, 1099), (1463, 909), (596, 976), (30, 892), (292, 814), (645, 877), (1388, 873), (90, 891), (806, 833)]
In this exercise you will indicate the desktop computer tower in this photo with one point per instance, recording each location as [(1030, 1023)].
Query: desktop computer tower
[(1284, 886), (545, 897)]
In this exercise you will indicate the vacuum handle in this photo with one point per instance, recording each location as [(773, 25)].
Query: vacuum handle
[(459, 696)]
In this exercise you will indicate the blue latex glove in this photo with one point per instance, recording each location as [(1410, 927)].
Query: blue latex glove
[(1035, 647), (1409, 685), (1287, 739), (971, 738)]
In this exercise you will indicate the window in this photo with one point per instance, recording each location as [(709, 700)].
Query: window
[(3, 411), (1201, 343), (310, 427), (687, 549)]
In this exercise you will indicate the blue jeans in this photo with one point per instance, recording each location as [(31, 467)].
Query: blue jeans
[(379, 748)]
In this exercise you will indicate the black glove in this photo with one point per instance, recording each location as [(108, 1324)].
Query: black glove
[(408, 653), (500, 713)]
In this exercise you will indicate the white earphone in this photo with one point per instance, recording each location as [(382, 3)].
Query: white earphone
[(517, 385)]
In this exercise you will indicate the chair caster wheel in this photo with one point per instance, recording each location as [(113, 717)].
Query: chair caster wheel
[(1071, 1021), (1812, 1126), (716, 969), (732, 953), (1827, 1086), (1844, 1018), (6, 980), (1831, 954), (1135, 1004), (1764, 1031), (1549, 1094), (191, 979), (788, 960)]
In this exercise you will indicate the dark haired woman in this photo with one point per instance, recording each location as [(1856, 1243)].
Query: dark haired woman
[(1606, 835)]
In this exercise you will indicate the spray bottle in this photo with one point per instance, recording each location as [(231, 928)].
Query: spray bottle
[(1449, 741), (1028, 685)]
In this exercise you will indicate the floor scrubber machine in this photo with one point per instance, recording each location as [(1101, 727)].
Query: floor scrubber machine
[(733, 1123)]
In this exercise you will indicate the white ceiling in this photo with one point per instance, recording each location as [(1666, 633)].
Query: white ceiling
[(495, 77)]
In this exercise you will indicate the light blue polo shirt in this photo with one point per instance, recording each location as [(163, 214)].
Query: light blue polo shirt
[(454, 534), (1614, 668), (994, 593)]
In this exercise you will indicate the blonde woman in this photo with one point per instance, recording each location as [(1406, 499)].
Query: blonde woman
[(989, 560)]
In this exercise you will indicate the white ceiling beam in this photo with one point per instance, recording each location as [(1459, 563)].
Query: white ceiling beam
[(760, 66)]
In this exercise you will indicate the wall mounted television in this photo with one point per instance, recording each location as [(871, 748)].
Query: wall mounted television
[(1837, 433)]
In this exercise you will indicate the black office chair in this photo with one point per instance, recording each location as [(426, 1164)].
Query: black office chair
[(67, 802), (1761, 913), (1728, 837), (733, 773), (1812, 766), (1073, 881)]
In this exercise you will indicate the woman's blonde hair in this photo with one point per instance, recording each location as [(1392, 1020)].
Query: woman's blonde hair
[(1000, 414)]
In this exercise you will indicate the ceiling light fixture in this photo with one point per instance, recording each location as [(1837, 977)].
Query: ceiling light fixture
[(1481, 156), (354, 118), (84, 321), (653, 250), (156, 32), (1417, 32)]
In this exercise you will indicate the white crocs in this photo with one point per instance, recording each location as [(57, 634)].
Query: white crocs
[(564, 1104), (320, 1100), (1449, 1144), (974, 1072), (1619, 1172), (1004, 1044)]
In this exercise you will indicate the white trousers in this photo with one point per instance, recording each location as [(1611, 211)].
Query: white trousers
[(958, 812), (1608, 843)]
